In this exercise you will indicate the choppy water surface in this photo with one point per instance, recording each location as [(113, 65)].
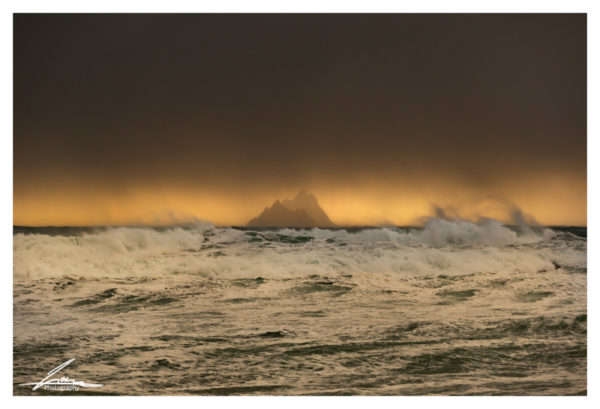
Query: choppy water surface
[(452, 309)]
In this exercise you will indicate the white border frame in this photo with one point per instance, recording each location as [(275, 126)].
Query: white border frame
[(306, 6)]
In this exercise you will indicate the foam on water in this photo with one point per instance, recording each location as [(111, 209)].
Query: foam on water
[(442, 246), (451, 308)]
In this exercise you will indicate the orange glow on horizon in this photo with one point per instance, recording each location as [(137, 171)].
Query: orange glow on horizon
[(553, 202)]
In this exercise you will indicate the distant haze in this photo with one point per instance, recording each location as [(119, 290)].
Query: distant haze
[(157, 119)]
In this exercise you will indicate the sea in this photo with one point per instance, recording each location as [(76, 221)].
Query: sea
[(450, 308)]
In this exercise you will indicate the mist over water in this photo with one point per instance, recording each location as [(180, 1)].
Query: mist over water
[(454, 307)]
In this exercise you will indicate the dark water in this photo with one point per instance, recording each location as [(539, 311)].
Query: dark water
[(452, 309)]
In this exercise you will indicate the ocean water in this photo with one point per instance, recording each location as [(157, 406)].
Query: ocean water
[(454, 308)]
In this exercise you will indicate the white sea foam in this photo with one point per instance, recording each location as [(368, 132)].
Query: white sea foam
[(448, 246)]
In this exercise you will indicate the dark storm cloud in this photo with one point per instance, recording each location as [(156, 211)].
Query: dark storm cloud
[(249, 100)]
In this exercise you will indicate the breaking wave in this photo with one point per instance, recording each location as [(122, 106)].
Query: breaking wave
[(449, 246), (389, 311)]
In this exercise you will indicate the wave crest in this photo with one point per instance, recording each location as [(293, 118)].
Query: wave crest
[(441, 246)]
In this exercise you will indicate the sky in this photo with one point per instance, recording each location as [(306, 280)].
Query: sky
[(159, 119)]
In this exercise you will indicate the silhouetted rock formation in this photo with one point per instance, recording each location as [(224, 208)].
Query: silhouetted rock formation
[(302, 211)]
